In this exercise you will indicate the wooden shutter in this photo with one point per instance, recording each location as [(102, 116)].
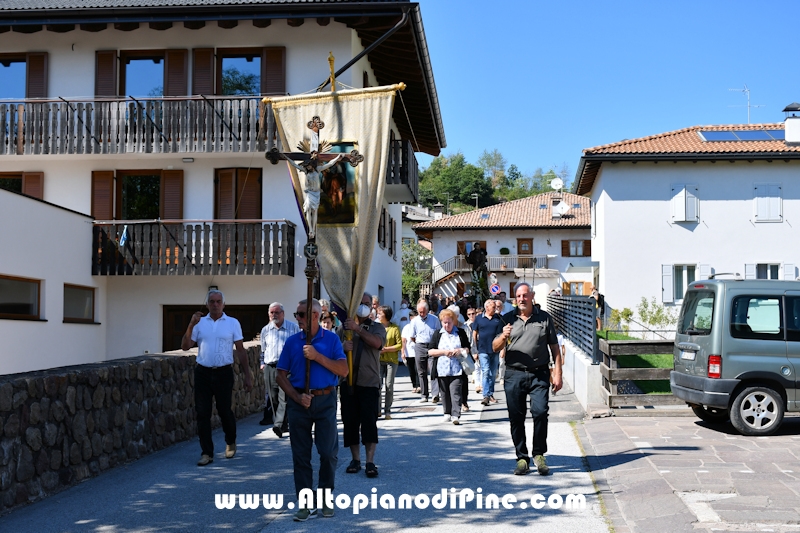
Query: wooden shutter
[(564, 288), (36, 82), (564, 248), (33, 184), (225, 194), (105, 73), (667, 286), (203, 71), (788, 271), (248, 194), (103, 194), (587, 288), (171, 196), (176, 73), (750, 271), (461, 248), (273, 71), (587, 248)]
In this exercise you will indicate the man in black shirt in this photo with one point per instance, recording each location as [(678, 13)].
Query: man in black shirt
[(528, 336)]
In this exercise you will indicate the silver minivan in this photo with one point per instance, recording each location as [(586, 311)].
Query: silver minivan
[(737, 352)]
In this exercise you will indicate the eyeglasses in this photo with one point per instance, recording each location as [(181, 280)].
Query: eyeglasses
[(301, 314)]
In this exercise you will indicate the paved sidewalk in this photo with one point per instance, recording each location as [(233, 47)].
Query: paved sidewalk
[(418, 454), (666, 474)]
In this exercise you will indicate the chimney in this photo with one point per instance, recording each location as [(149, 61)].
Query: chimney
[(792, 124), (437, 210)]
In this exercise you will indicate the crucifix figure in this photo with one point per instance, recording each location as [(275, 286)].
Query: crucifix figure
[(308, 162)]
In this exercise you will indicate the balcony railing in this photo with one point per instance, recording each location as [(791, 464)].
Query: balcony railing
[(126, 125), (193, 248), (403, 171), (495, 263)]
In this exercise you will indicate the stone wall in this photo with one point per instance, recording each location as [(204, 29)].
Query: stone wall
[(63, 425)]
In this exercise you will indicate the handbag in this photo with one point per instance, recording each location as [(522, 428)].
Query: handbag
[(467, 363)]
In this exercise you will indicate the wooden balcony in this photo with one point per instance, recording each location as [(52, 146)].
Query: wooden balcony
[(125, 125), (495, 263), (402, 176), (193, 248)]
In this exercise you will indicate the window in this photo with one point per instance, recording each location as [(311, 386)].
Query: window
[(675, 279), (792, 319), (382, 228), (23, 75), (576, 248), (761, 271), (465, 247), (137, 194), (237, 194), (142, 73), (756, 317), (697, 314), (767, 202), (30, 183), (685, 204), (19, 298), (250, 71), (683, 275), (78, 304), (408, 240)]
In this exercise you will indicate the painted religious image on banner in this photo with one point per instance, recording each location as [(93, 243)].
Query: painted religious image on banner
[(338, 199)]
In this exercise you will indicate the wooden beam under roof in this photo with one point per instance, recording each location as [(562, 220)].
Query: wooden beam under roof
[(60, 28)]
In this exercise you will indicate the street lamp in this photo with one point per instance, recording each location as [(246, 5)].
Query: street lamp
[(475, 195)]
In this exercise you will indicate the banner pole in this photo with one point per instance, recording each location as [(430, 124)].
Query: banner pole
[(310, 251)]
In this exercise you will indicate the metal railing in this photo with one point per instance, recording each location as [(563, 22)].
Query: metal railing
[(403, 168), (128, 125), (576, 318), (495, 263), (191, 247)]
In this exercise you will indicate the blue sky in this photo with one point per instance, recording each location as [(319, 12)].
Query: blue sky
[(542, 80)]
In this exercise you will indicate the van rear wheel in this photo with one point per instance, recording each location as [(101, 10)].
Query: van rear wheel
[(757, 411), (712, 415)]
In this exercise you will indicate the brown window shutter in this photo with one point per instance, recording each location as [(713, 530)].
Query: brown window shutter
[(564, 248), (176, 73), (171, 197), (33, 184), (105, 73), (103, 194), (587, 288), (565, 288), (461, 248), (273, 71), (587, 248), (36, 83), (248, 193), (225, 194), (203, 71)]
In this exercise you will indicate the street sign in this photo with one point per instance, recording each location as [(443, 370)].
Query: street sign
[(493, 279), (494, 289)]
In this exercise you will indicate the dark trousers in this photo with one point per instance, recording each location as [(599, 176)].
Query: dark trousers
[(464, 388), (519, 385), (411, 363), (321, 416), (210, 384), (360, 414), (422, 369), (450, 389)]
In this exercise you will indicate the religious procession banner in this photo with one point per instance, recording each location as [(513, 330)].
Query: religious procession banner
[(348, 131)]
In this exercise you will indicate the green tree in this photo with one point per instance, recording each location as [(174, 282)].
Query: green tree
[(452, 179), (416, 264), (493, 165), (236, 82)]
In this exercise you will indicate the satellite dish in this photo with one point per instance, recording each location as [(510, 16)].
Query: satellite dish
[(557, 184)]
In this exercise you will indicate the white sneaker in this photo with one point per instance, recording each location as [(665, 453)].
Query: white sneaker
[(447, 418), (456, 420)]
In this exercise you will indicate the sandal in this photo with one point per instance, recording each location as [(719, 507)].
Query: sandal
[(371, 470), (354, 466)]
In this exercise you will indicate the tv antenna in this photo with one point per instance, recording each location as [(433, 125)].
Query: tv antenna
[(746, 91)]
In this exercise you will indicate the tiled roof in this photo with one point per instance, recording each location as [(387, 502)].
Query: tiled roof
[(518, 214), (682, 145), (112, 4), (688, 140)]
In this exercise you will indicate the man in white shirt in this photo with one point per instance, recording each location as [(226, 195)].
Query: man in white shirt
[(273, 337), (215, 336), (408, 352)]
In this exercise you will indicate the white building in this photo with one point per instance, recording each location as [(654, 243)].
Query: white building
[(107, 263), (525, 240), (680, 206)]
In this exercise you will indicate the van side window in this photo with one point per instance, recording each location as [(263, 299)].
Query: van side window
[(756, 317), (793, 318)]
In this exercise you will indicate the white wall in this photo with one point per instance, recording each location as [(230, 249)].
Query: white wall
[(636, 234), (71, 60), (43, 242)]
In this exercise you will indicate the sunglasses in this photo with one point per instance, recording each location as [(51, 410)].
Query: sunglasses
[(301, 314)]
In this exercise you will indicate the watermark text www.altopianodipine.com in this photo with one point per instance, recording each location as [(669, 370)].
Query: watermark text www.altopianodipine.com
[(452, 499)]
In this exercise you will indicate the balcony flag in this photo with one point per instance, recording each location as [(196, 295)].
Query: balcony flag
[(355, 124)]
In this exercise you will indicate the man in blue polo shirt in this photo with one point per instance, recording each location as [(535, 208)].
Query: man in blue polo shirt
[(484, 330), (317, 409)]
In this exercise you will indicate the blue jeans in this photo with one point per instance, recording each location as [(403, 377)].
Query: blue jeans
[(490, 362), (316, 424)]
